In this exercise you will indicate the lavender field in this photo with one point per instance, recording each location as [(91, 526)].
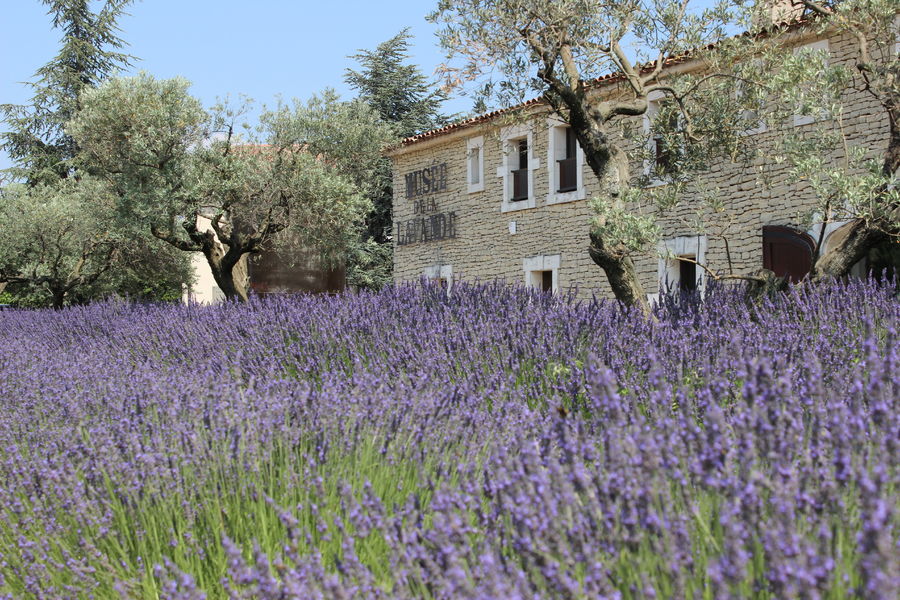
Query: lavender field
[(495, 443)]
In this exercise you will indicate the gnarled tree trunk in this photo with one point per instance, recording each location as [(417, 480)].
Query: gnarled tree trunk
[(610, 165), (227, 261), (58, 298), (620, 272), (229, 269), (851, 243)]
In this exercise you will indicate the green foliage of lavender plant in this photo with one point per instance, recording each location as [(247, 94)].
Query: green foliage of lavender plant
[(489, 443)]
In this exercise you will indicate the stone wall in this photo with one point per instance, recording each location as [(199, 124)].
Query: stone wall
[(484, 247)]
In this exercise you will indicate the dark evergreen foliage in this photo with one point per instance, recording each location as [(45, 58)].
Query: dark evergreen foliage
[(401, 95), (35, 138), (43, 155), (399, 92)]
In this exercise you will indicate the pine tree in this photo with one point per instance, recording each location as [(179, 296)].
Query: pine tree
[(400, 93), (36, 140)]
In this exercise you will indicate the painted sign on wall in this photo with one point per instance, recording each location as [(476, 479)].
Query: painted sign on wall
[(429, 224), (424, 182), (429, 228)]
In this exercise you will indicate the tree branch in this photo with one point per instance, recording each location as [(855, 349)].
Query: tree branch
[(628, 70), (169, 238), (216, 224), (717, 277), (696, 85), (112, 254), (568, 61), (661, 58)]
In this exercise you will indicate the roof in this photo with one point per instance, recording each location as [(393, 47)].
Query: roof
[(602, 80), (607, 79)]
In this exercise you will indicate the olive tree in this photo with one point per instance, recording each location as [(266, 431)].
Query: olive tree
[(765, 82), (188, 178), (861, 188), (515, 48), (57, 238)]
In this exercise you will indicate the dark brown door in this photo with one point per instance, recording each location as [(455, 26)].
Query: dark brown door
[(787, 252)]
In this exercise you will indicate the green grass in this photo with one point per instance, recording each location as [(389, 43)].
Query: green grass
[(137, 532), (229, 498)]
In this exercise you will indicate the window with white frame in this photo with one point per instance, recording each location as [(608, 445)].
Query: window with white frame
[(517, 170), (475, 164), (819, 46), (681, 263), (565, 164), (662, 157), (441, 275), (542, 272)]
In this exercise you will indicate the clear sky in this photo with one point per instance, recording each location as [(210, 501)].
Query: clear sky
[(260, 48)]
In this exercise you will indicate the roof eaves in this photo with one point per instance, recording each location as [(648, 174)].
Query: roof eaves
[(597, 81)]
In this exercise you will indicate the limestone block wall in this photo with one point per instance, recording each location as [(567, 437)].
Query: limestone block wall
[(491, 244)]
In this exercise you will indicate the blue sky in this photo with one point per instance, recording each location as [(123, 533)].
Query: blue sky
[(260, 48)]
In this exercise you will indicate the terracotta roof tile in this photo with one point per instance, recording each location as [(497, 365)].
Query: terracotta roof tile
[(601, 80)]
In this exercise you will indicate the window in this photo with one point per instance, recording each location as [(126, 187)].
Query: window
[(520, 173), (687, 273), (441, 275), (542, 280), (565, 164), (820, 46), (662, 156), (542, 272), (517, 170), (677, 274), (567, 181), (787, 253), (475, 164)]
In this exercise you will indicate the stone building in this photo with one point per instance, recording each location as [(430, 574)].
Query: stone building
[(494, 197)]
